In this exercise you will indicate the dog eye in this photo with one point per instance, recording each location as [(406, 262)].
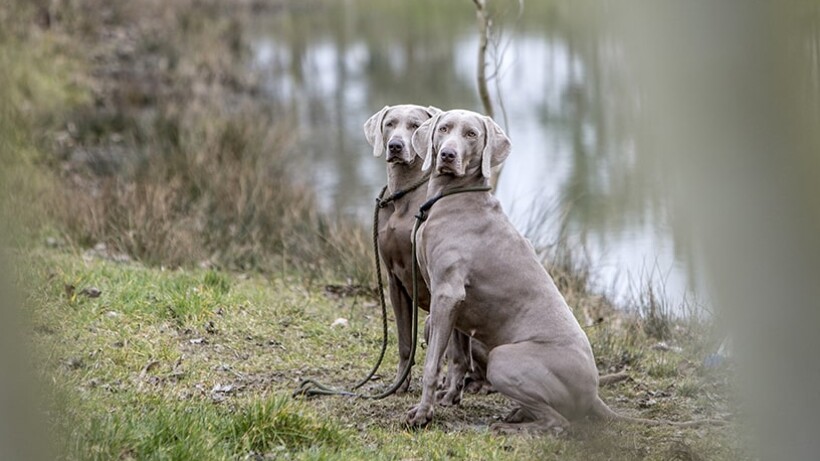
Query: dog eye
[(442, 129), (471, 134), (389, 124), (414, 126)]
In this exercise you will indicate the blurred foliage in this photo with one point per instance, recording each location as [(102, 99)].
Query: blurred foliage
[(123, 131), (38, 83)]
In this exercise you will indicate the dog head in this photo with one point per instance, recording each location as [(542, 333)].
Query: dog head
[(460, 142), (391, 130)]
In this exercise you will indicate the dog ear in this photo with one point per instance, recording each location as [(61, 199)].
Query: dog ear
[(497, 146), (432, 111), (423, 140), (373, 131)]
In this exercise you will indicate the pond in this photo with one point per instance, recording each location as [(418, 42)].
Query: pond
[(576, 176)]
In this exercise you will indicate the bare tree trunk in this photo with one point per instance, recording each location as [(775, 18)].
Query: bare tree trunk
[(484, 23), (484, 37)]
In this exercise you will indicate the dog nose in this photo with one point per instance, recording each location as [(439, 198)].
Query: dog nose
[(395, 146), (447, 154)]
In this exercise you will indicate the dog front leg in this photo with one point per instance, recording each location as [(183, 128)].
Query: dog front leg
[(442, 319), (403, 310), (458, 362)]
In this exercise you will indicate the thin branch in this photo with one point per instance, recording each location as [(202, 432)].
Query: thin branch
[(498, 58), (499, 49)]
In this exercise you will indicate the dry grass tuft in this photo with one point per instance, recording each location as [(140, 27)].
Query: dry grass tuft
[(178, 161)]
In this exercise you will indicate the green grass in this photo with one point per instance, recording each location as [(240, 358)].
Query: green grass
[(200, 364), (155, 429)]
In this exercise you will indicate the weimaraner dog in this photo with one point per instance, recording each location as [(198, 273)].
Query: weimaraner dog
[(390, 130), (486, 280)]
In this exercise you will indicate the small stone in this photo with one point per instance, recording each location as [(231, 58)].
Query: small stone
[(112, 314), (198, 341), (223, 389), (340, 322), (92, 292)]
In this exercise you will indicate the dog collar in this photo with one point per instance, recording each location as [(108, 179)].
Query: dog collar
[(424, 208)]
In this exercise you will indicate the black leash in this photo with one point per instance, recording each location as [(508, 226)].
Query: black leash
[(310, 387), (381, 203)]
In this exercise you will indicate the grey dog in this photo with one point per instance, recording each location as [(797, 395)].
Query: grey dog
[(485, 280), (390, 132)]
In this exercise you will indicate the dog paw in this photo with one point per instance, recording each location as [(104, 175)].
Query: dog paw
[(419, 416), (479, 387), (517, 415), (448, 398)]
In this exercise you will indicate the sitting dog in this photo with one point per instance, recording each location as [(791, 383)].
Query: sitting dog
[(485, 280), (390, 131)]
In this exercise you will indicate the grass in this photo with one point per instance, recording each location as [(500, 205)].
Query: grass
[(200, 364), (196, 430)]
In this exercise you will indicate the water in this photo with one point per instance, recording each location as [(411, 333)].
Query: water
[(577, 168)]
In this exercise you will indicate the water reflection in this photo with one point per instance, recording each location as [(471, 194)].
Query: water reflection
[(575, 167)]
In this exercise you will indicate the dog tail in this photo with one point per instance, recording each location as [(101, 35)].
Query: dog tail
[(601, 410)]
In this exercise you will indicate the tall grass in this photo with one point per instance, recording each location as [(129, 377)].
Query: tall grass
[(173, 158), (33, 91)]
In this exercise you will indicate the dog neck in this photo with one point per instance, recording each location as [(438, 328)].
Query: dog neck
[(402, 175), (442, 182)]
